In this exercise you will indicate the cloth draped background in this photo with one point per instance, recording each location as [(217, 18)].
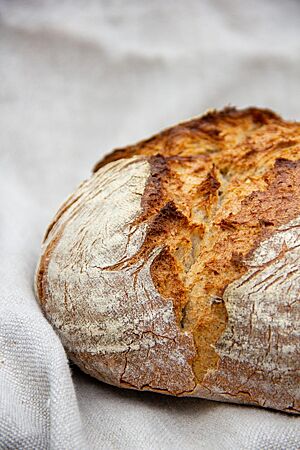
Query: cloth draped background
[(78, 78)]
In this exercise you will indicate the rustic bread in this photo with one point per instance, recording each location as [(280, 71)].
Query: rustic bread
[(175, 267)]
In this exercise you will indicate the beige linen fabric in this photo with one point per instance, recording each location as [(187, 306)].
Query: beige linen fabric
[(78, 78)]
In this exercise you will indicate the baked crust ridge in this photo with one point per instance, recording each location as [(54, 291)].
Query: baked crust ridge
[(175, 267)]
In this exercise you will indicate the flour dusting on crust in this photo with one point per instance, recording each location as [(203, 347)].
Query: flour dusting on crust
[(103, 310), (261, 341), (175, 267)]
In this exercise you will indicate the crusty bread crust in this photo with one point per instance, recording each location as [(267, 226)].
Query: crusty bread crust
[(175, 268)]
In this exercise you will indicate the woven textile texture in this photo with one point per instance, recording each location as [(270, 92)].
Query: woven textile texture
[(78, 78)]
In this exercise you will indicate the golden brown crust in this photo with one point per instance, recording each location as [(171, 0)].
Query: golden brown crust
[(214, 129), (219, 188)]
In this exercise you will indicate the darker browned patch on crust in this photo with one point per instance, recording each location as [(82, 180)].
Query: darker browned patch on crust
[(285, 143), (207, 190), (157, 209), (172, 230), (170, 227), (167, 219), (260, 116), (286, 163), (154, 195), (264, 211), (210, 127)]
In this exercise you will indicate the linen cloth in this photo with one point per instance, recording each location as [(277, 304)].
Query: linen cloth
[(78, 78)]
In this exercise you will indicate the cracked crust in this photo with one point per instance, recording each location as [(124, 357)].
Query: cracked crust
[(175, 268)]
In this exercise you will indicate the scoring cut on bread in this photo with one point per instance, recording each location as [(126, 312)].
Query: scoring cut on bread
[(175, 267)]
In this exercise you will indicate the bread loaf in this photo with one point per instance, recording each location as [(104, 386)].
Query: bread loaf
[(175, 267)]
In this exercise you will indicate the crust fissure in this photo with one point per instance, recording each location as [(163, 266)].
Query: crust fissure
[(175, 268)]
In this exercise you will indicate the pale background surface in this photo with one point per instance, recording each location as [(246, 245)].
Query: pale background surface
[(78, 78)]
